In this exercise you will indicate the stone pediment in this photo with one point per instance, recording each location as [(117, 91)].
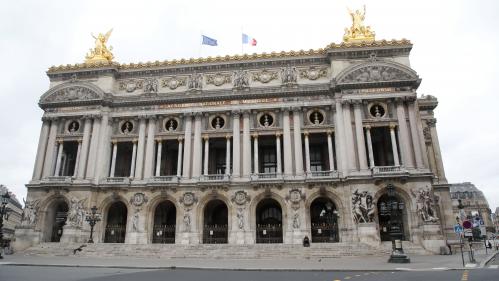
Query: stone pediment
[(72, 92), (377, 73)]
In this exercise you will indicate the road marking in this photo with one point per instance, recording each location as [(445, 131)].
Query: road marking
[(357, 275), (494, 266), (348, 277), (5, 262), (337, 280), (465, 276), (470, 265)]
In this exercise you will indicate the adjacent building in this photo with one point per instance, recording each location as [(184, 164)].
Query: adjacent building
[(13, 219), (474, 202), (244, 149)]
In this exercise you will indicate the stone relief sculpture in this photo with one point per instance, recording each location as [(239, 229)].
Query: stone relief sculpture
[(173, 82), (375, 73), (30, 212), (240, 218), (218, 79), (187, 220), (188, 199), (151, 85), (362, 207), (195, 81), (76, 213), (131, 85), (265, 76), (289, 75), (296, 219), (241, 80), (313, 73), (424, 205), (240, 197), (135, 220), (138, 199), (72, 93)]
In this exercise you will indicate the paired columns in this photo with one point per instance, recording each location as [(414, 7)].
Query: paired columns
[(256, 170)]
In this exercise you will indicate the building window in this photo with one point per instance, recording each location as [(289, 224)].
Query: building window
[(268, 162), (68, 158), (316, 161)]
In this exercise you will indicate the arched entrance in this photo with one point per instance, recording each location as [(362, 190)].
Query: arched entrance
[(324, 221), (392, 218), (165, 217), (268, 221), (215, 223), (116, 223), (56, 219)]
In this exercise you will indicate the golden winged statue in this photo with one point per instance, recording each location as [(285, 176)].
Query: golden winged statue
[(100, 53), (358, 32)]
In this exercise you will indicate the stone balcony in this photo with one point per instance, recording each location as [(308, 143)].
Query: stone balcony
[(117, 180), (215, 178), (266, 177), (388, 171), (60, 179)]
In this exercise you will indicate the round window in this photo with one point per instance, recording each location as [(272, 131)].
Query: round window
[(316, 118), (171, 125), (73, 126), (266, 120), (127, 127), (217, 122), (377, 111)]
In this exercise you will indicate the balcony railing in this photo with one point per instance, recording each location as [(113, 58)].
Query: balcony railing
[(164, 179), (323, 174), (388, 170), (124, 180), (59, 179), (266, 176), (215, 177)]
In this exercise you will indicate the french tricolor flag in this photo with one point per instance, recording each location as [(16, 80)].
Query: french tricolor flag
[(249, 40)]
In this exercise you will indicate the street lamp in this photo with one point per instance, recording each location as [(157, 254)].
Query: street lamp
[(92, 219), (395, 208), (4, 212)]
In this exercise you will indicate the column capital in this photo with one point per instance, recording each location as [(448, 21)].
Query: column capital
[(47, 118), (114, 142), (188, 114), (79, 141), (278, 134), (158, 140), (357, 103), (296, 109), (228, 136), (368, 127), (87, 117), (305, 133), (236, 114), (59, 141), (255, 135), (134, 141), (142, 117), (330, 132), (180, 139), (392, 126), (152, 117), (206, 137), (285, 109), (431, 122)]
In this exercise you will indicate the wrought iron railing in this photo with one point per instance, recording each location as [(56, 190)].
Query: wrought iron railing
[(269, 233), (115, 233), (325, 232), (215, 234), (163, 234)]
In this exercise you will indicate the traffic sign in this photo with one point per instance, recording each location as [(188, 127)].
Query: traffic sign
[(467, 224), (468, 233), (458, 228)]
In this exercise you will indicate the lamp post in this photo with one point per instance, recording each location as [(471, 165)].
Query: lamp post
[(4, 212), (92, 219), (395, 208)]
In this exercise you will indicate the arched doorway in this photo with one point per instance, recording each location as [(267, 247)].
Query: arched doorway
[(324, 221), (215, 223), (392, 218), (268, 221), (56, 219), (165, 217), (116, 223)]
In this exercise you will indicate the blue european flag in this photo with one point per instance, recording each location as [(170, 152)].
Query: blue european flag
[(209, 41)]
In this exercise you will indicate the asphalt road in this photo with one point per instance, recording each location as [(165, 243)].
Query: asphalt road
[(37, 273)]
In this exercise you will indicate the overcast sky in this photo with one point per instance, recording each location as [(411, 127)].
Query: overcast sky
[(455, 53)]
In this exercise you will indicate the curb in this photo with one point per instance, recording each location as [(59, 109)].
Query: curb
[(487, 259)]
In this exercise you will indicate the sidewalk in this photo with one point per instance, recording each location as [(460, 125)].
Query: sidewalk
[(418, 262)]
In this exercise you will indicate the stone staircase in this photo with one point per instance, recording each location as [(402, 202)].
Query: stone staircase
[(216, 251), (409, 248)]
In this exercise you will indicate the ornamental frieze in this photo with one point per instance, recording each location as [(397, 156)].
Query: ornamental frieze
[(72, 93), (265, 76), (313, 73), (240, 197), (218, 79), (131, 85), (188, 199), (375, 73), (173, 82), (363, 207)]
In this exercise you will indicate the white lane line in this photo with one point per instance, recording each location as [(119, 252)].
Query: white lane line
[(470, 265), (495, 266)]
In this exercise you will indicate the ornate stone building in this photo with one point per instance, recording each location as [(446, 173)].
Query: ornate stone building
[(245, 149), (14, 216), (474, 202)]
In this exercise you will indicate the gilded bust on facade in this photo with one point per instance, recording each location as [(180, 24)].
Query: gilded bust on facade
[(100, 53), (358, 32)]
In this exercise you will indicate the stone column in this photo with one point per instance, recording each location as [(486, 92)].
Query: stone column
[(48, 165), (255, 154), (340, 135), (350, 145), (84, 149), (206, 154), (436, 149), (236, 146), (57, 171), (78, 157), (197, 148), (186, 170), (94, 145), (307, 152), (415, 137), (286, 135), (278, 152), (139, 164), (246, 145), (405, 148), (359, 132), (227, 156), (102, 169), (149, 160), (297, 141), (113, 160), (370, 146), (394, 145), (134, 158), (179, 157), (42, 148), (158, 157), (330, 150)]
